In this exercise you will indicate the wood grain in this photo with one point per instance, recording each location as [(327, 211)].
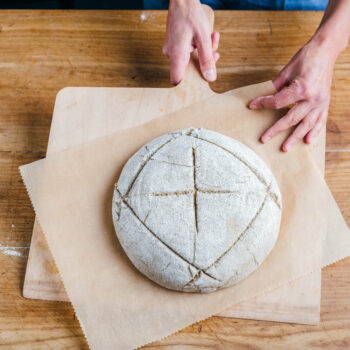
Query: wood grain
[(43, 51)]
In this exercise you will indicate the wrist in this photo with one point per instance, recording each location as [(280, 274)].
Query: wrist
[(183, 3), (330, 42)]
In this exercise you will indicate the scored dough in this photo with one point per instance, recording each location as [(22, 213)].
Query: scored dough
[(196, 211)]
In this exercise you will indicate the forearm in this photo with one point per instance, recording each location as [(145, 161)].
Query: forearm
[(183, 4), (305, 82), (334, 29)]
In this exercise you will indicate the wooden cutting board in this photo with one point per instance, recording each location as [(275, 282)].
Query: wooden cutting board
[(73, 124)]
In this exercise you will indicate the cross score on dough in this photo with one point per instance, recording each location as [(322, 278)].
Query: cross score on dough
[(194, 191)]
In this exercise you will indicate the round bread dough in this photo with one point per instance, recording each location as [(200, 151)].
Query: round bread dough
[(196, 211)]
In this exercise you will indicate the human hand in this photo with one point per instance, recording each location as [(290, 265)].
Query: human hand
[(306, 83), (187, 29)]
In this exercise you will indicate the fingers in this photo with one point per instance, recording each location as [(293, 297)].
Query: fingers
[(179, 57), (282, 98), (178, 49), (293, 117), (178, 64), (205, 55), (315, 131), (215, 38), (192, 47), (283, 79), (216, 56), (280, 81), (309, 124), (301, 130)]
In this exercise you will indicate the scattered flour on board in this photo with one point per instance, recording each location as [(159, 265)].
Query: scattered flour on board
[(146, 16), (143, 16), (14, 251)]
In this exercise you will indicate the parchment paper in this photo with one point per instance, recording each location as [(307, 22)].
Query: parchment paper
[(117, 307)]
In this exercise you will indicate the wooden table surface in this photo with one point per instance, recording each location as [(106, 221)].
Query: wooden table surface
[(44, 51)]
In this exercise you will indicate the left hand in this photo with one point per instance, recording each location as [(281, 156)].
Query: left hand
[(306, 83)]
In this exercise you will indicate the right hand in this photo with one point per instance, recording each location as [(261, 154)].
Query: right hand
[(187, 29)]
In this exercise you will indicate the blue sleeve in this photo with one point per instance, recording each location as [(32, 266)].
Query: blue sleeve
[(288, 5)]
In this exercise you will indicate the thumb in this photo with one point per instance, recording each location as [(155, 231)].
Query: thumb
[(205, 57), (282, 80), (281, 99)]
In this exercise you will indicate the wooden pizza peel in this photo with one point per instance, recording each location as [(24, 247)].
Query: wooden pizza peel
[(74, 122)]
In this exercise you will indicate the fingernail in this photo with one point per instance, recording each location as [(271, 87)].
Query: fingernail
[(175, 83), (265, 139), (210, 75)]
